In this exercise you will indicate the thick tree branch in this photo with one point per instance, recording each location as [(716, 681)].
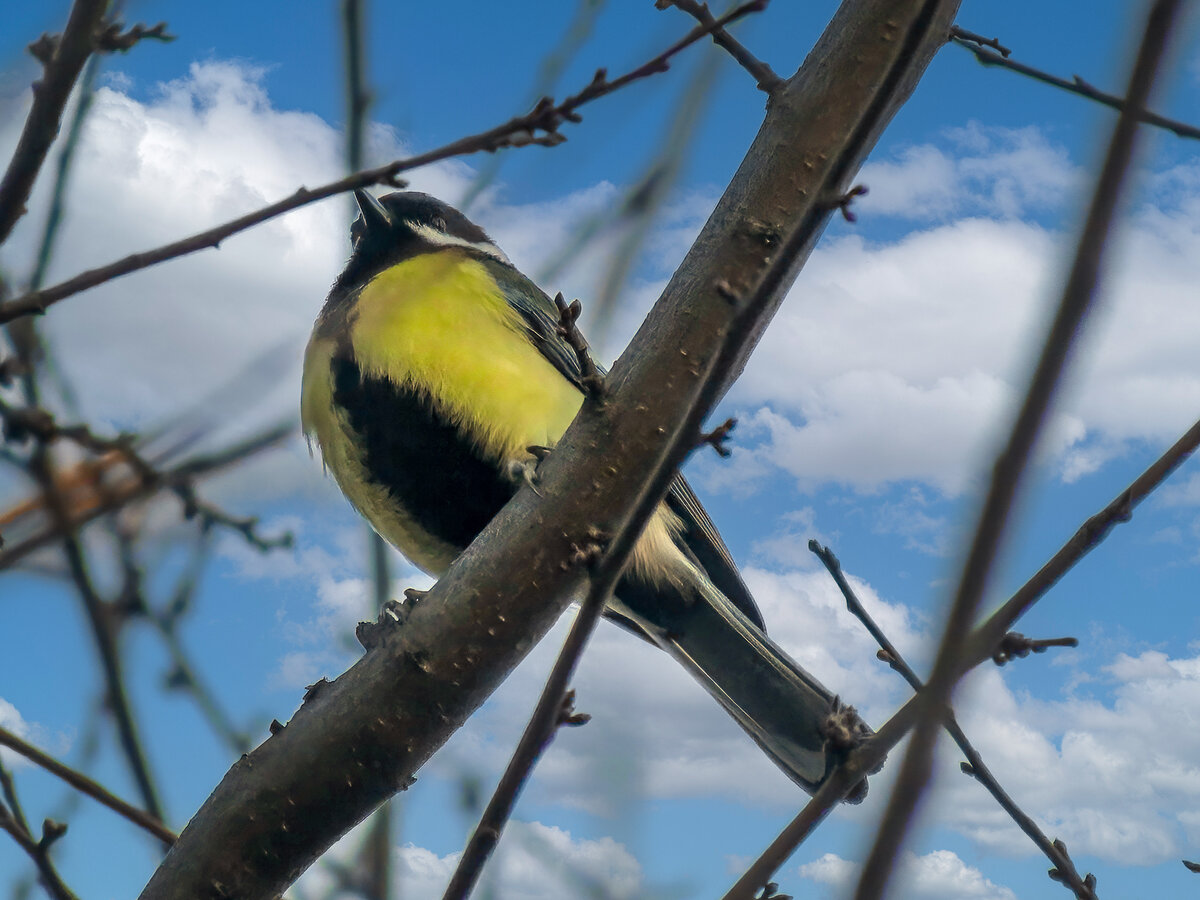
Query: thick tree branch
[(360, 738)]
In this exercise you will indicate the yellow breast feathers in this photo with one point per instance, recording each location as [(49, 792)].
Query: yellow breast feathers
[(439, 323)]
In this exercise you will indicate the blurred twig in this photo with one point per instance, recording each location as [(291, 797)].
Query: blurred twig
[(85, 785), (551, 69), (358, 97), (371, 874), (104, 622), (1010, 465), (62, 58), (539, 126), (12, 820), (987, 638), (182, 675), (642, 203), (133, 490)]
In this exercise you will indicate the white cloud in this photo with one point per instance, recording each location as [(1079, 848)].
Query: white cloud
[(901, 361), (1181, 492), (323, 637), (939, 875), (895, 362), (532, 862), (909, 518), (996, 171), (11, 719), (1113, 779)]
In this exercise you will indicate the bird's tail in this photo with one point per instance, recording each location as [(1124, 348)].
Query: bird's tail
[(782, 707)]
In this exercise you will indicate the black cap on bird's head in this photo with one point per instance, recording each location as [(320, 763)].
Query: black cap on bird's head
[(405, 224), (414, 223)]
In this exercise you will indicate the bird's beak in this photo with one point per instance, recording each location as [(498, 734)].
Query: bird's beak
[(375, 218)]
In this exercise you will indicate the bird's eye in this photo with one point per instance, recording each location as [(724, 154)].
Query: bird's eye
[(439, 223)]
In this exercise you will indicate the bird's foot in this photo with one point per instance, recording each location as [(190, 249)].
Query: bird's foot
[(591, 549), (844, 731), (394, 614), (525, 471)]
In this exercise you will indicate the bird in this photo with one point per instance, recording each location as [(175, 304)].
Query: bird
[(436, 370)]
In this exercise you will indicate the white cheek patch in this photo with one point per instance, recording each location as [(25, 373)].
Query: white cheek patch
[(441, 239)]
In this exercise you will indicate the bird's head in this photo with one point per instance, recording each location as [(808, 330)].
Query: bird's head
[(407, 223)]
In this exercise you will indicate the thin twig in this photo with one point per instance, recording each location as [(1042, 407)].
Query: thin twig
[(590, 376), (1017, 646), (100, 615), (1010, 465), (718, 438), (112, 39), (13, 821), (763, 75), (834, 789), (182, 675), (1075, 85), (119, 496), (358, 97), (974, 38), (86, 785), (981, 645), (62, 59), (539, 126), (8, 789), (554, 709), (1064, 869), (210, 515)]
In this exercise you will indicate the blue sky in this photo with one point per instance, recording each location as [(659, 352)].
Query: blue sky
[(866, 420)]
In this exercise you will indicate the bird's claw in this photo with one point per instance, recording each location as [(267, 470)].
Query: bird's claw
[(394, 614), (525, 471)]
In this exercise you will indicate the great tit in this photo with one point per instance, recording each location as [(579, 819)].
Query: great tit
[(433, 368)]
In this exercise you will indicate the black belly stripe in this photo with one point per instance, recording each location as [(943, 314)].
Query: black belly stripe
[(419, 456)]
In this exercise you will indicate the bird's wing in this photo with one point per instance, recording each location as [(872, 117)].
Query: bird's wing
[(540, 316), (700, 537)]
